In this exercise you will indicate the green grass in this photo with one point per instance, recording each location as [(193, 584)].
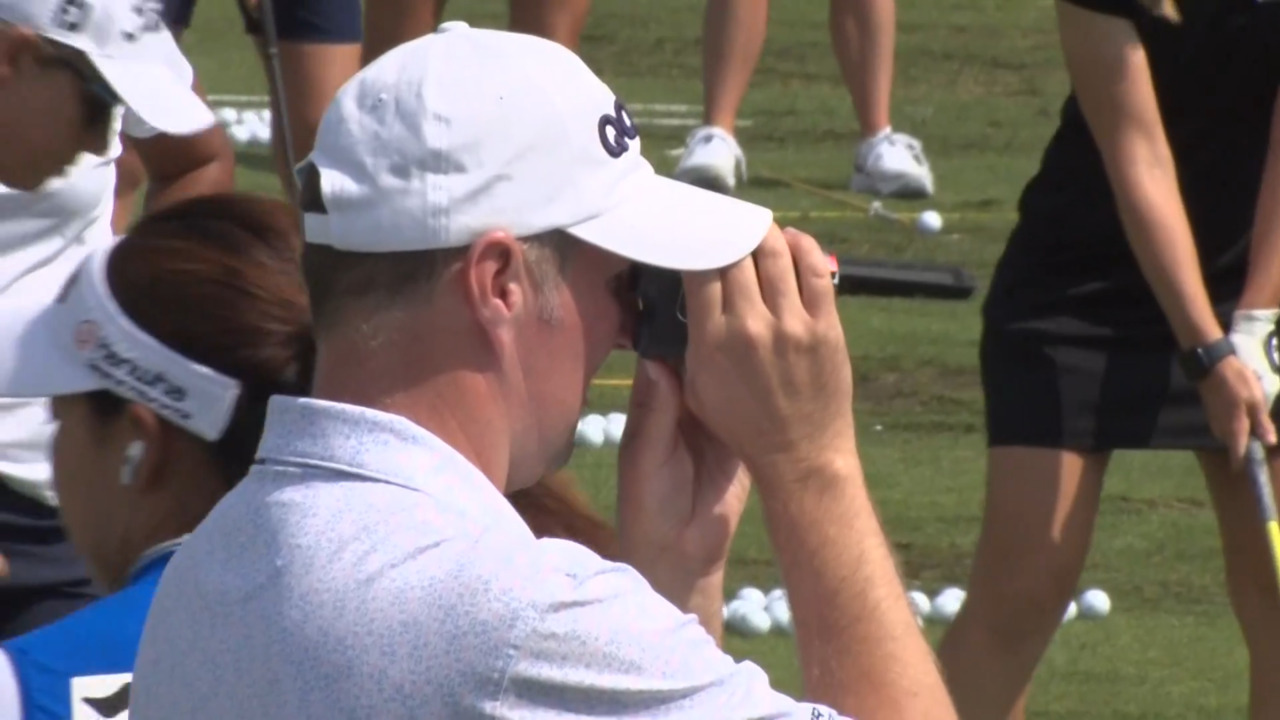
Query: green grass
[(980, 82)]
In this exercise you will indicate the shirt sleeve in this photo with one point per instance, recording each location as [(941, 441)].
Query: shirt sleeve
[(612, 647), (10, 690)]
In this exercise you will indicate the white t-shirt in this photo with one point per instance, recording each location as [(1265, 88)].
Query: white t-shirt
[(43, 237), (365, 569)]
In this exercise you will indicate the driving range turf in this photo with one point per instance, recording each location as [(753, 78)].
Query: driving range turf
[(980, 82)]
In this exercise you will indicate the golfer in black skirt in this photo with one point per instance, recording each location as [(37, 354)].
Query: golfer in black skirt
[(1134, 308)]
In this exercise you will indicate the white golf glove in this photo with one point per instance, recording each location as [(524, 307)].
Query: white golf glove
[(1253, 335)]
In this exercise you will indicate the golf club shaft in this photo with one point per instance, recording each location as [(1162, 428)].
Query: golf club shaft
[(271, 39), (1260, 475)]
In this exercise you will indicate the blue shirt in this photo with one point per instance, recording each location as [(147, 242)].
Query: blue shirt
[(365, 569), (81, 665)]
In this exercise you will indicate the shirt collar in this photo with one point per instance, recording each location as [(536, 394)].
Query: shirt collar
[(361, 441), (155, 556)]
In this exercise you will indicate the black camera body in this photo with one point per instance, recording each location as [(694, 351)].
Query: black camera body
[(660, 330)]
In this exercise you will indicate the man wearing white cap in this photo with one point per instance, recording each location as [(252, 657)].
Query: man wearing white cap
[(475, 205), (73, 74)]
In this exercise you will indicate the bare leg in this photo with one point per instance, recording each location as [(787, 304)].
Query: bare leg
[(558, 20), (1036, 529), (1251, 577), (862, 36), (312, 74), (733, 35), (387, 23)]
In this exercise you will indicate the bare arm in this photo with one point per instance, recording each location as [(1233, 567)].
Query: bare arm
[(183, 167), (1262, 286), (860, 649), (1112, 81)]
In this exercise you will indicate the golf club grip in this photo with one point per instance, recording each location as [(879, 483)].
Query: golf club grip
[(1260, 476), (887, 278)]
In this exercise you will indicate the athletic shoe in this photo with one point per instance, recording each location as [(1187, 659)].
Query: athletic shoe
[(892, 165), (712, 159)]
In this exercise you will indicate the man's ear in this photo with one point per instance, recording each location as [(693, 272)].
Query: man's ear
[(496, 279), (147, 428)]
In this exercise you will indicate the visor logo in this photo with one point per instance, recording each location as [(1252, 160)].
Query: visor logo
[(71, 15), (617, 130)]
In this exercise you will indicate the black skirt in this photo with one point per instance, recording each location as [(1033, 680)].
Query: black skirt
[(1088, 395)]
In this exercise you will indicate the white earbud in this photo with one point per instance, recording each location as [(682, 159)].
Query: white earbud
[(132, 456)]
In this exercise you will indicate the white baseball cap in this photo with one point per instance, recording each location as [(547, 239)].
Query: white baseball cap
[(84, 342), (129, 45), (465, 131)]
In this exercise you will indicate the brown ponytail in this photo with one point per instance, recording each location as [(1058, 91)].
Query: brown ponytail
[(556, 508)]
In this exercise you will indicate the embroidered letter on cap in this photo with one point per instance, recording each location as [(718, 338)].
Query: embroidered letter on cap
[(624, 130)]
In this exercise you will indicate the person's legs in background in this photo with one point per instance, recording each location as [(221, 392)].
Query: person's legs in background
[(561, 21), (319, 50), (1251, 576), (887, 163), (733, 34), (1037, 525), (388, 23)]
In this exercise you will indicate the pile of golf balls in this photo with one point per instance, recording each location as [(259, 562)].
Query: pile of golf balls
[(1092, 604), (247, 127), (753, 612), (599, 430)]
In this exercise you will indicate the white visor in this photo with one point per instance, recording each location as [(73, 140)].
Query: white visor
[(84, 342)]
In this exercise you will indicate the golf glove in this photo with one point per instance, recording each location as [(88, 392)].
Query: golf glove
[(1253, 335)]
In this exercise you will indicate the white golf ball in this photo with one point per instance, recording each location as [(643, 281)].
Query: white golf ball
[(227, 115), (1071, 612), (262, 134), (746, 618), (590, 432), (919, 602), (779, 612), (775, 594), (946, 605), (752, 595), (724, 612), (614, 424), (929, 222), (240, 133), (1095, 604)]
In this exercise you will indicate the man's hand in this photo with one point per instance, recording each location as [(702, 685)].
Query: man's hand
[(681, 494), (767, 366)]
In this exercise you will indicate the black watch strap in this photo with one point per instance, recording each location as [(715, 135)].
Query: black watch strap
[(1198, 362)]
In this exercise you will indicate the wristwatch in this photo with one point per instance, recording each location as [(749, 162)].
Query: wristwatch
[(1198, 362)]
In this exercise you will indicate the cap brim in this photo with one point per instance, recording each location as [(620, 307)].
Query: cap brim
[(156, 95), (40, 360), (669, 224)]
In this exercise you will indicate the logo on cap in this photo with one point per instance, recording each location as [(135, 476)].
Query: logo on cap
[(71, 15), (86, 335), (617, 130)]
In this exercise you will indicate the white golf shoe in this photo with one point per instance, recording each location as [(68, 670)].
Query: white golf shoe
[(712, 159), (892, 165)]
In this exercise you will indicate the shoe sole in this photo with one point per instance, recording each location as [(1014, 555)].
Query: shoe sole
[(904, 189), (706, 179)]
